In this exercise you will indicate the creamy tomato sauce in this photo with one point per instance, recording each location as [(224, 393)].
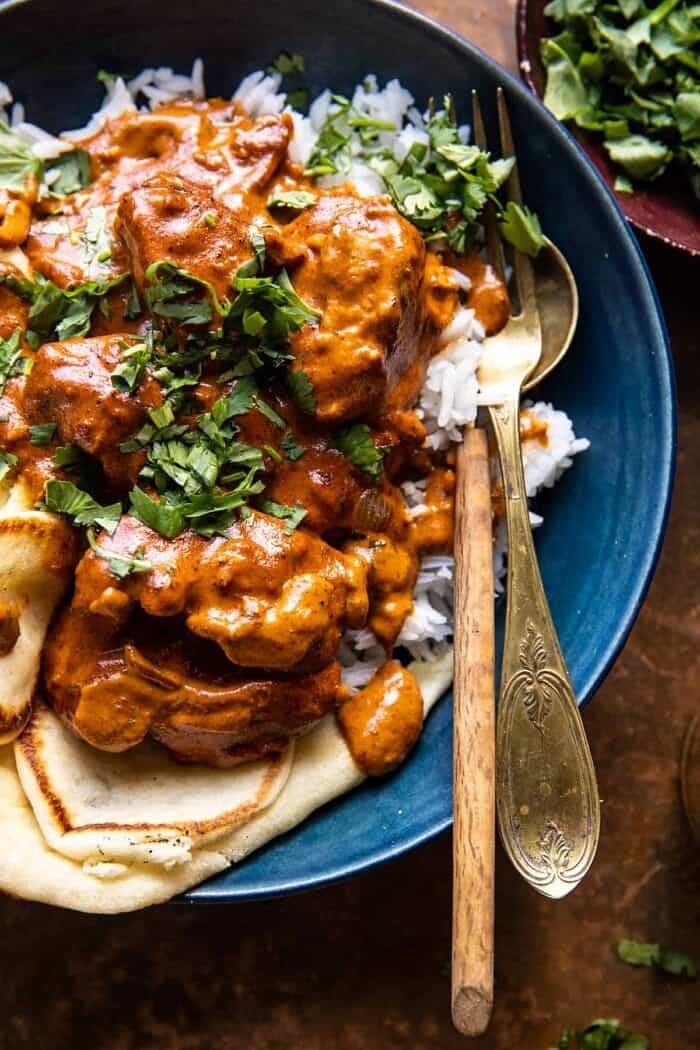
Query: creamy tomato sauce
[(222, 642)]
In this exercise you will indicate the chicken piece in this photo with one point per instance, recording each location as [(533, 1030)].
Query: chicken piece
[(170, 219), (153, 677), (392, 574), (70, 385), (266, 597), (359, 263)]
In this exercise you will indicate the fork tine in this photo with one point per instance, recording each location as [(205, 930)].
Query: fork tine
[(523, 268), (494, 248)]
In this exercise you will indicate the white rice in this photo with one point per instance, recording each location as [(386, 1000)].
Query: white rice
[(450, 396)]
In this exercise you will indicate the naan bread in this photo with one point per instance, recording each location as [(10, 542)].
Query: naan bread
[(36, 562), (322, 768), (139, 806)]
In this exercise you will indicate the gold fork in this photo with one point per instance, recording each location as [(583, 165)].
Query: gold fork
[(546, 791)]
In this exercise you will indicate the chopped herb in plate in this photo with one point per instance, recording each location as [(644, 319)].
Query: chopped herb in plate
[(292, 450), (42, 433), (68, 173), (293, 515), (17, 161), (287, 62), (295, 200), (521, 228), (357, 444), (164, 518), (7, 462), (133, 361), (302, 391), (63, 497), (11, 362), (120, 565)]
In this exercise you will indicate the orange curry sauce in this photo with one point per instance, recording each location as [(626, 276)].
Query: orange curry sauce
[(227, 645)]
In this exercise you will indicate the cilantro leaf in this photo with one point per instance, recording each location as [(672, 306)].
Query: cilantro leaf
[(630, 73), (170, 290), (293, 515), (269, 413), (10, 357), (120, 565), (7, 462), (521, 228), (287, 62), (60, 313), (17, 161), (97, 240), (63, 497), (302, 391), (133, 361), (641, 157), (292, 450), (295, 200), (42, 433), (165, 518), (68, 457), (357, 444), (68, 173), (640, 953), (602, 1034)]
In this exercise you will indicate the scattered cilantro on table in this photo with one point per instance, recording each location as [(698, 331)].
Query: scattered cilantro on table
[(631, 74), (601, 1035), (655, 956)]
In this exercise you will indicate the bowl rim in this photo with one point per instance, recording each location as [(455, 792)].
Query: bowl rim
[(434, 28), (525, 61)]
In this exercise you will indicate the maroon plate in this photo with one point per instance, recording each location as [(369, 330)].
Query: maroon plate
[(668, 210)]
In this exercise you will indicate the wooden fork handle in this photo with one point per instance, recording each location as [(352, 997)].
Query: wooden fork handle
[(474, 742)]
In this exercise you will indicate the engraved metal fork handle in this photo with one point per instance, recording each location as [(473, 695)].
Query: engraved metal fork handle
[(546, 791)]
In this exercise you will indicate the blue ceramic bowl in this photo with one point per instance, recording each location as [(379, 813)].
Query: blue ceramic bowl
[(604, 523)]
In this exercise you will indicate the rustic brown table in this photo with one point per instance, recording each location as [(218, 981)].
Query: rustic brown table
[(362, 965)]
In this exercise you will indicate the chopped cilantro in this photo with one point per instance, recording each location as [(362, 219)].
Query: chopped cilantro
[(521, 228), (42, 433), (295, 200), (210, 219), (268, 308), (97, 240), (169, 295), (68, 173), (302, 391), (10, 357), (63, 497), (293, 515), (287, 62), (68, 457), (162, 517), (133, 361), (133, 305), (7, 462), (292, 450), (629, 73), (640, 953), (269, 413), (357, 444), (120, 565), (17, 161), (60, 313), (601, 1035), (272, 453)]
